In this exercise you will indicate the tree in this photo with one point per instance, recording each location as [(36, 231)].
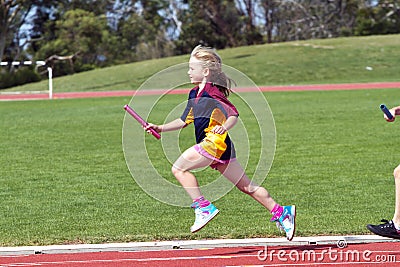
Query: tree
[(383, 18), (247, 12), (84, 35), (302, 20), (155, 43), (78, 37), (215, 23), (13, 15), (143, 30), (270, 8)]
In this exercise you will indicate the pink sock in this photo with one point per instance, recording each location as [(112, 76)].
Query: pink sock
[(276, 212), (201, 201)]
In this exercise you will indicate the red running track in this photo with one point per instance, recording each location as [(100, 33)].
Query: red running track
[(371, 254), (316, 87)]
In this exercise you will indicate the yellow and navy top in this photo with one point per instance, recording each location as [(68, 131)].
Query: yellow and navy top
[(206, 110)]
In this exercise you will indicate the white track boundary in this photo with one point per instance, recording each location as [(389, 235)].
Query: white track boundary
[(194, 244)]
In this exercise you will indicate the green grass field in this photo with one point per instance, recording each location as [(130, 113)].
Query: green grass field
[(64, 177)]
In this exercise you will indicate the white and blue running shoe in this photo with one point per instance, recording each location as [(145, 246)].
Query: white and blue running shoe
[(203, 216), (287, 221)]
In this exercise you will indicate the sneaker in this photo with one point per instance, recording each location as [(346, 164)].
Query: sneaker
[(385, 229), (203, 216), (286, 221)]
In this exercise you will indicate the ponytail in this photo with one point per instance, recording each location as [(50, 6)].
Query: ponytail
[(223, 82)]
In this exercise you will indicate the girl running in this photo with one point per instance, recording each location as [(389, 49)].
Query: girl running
[(213, 116)]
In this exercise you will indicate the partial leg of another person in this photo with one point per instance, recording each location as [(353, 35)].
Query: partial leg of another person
[(191, 160), (284, 216), (390, 228)]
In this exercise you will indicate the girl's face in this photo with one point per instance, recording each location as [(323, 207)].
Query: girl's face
[(197, 73)]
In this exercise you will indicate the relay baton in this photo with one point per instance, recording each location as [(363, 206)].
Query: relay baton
[(386, 111), (141, 121)]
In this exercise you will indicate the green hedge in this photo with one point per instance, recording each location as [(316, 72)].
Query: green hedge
[(19, 77)]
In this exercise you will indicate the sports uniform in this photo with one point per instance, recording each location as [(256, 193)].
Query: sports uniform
[(206, 110)]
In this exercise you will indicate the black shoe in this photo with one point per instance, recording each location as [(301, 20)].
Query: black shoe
[(385, 229)]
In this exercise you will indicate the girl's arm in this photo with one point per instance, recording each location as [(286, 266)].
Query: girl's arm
[(170, 126), (229, 123)]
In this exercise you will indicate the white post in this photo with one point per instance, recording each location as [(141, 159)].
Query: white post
[(50, 70)]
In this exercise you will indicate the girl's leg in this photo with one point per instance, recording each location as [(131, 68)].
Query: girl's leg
[(283, 215), (235, 173), (396, 216), (190, 160), (204, 210)]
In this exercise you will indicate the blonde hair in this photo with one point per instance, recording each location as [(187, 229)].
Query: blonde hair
[(211, 60)]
